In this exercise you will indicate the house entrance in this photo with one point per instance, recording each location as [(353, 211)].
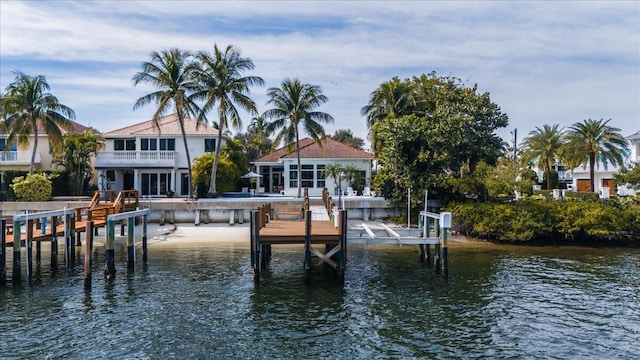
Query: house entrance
[(127, 180)]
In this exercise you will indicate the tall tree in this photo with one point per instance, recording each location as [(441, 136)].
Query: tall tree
[(29, 107), (544, 145), (257, 138), (346, 137), (393, 99), (591, 141), (293, 106), (222, 86), (170, 72), (77, 151)]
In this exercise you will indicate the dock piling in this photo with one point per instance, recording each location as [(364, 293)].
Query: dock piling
[(110, 270), (144, 239), (3, 252), (54, 244), (88, 251), (131, 250), (17, 270)]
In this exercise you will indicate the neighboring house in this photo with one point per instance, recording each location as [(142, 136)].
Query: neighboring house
[(279, 169), (151, 160), (565, 179), (19, 159), (604, 174)]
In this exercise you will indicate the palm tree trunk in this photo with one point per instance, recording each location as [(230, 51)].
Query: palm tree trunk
[(186, 149), (549, 182), (592, 167), (299, 167), (35, 146), (214, 167)]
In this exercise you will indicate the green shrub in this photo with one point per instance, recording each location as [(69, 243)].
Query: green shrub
[(33, 187), (7, 177), (581, 195)]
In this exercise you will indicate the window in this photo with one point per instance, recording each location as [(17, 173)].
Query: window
[(148, 144), (320, 176), (293, 176), (209, 145), (155, 183), (307, 176), (167, 144), (124, 144)]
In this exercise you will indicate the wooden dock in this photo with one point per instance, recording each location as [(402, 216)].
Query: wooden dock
[(23, 230), (316, 227)]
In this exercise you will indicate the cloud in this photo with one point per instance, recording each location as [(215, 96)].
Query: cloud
[(540, 60)]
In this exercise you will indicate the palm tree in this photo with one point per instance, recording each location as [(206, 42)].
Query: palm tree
[(591, 141), (392, 99), (257, 137), (170, 72), (293, 105), (28, 107), (222, 85), (545, 145), (77, 151), (336, 171)]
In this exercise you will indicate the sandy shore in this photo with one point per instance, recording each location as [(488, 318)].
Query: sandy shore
[(187, 233)]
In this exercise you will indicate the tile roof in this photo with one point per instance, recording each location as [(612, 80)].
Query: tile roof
[(168, 126), (75, 128), (309, 149)]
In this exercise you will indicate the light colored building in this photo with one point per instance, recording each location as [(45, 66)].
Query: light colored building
[(152, 160), (17, 158), (279, 168)]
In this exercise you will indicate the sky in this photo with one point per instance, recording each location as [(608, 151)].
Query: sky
[(543, 62)]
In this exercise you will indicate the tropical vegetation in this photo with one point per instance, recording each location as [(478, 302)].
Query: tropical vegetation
[(170, 72), (77, 151), (294, 105), (221, 85), (29, 108)]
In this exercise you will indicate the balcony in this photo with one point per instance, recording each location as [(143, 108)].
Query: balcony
[(13, 158), (134, 159)]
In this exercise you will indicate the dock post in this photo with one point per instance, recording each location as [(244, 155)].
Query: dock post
[(232, 215), (131, 246), (161, 217), (54, 243), (342, 255), (3, 252), (240, 216), (197, 221), (72, 244), (173, 217), (88, 250), (307, 244), (144, 239), (17, 270), (255, 246), (445, 223), (28, 248), (206, 217), (110, 271)]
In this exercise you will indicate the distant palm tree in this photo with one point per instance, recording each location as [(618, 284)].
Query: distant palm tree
[(77, 151), (336, 171), (293, 105), (590, 141), (170, 72), (545, 146), (392, 99), (258, 136), (222, 85), (27, 106)]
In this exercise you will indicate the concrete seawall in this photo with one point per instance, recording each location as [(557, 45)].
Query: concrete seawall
[(220, 210)]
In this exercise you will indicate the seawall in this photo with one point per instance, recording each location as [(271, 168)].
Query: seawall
[(220, 210)]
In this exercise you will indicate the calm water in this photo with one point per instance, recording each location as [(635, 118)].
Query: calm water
[(200, 302)]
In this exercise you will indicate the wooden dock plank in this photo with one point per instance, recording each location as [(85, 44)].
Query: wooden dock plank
[(293, 232)]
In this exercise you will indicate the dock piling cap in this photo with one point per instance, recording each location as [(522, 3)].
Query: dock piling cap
[(445, 220)]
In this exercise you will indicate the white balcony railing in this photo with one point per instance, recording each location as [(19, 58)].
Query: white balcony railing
[(136, 158), (18, 157)]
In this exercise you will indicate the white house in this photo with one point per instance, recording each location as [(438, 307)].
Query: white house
[(604, 174), (279, 169), (17, 158), (152, 160)]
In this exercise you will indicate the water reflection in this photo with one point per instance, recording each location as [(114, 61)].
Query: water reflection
[(200, 302)]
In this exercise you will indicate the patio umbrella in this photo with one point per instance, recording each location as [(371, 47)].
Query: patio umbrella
[(251, 175)]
